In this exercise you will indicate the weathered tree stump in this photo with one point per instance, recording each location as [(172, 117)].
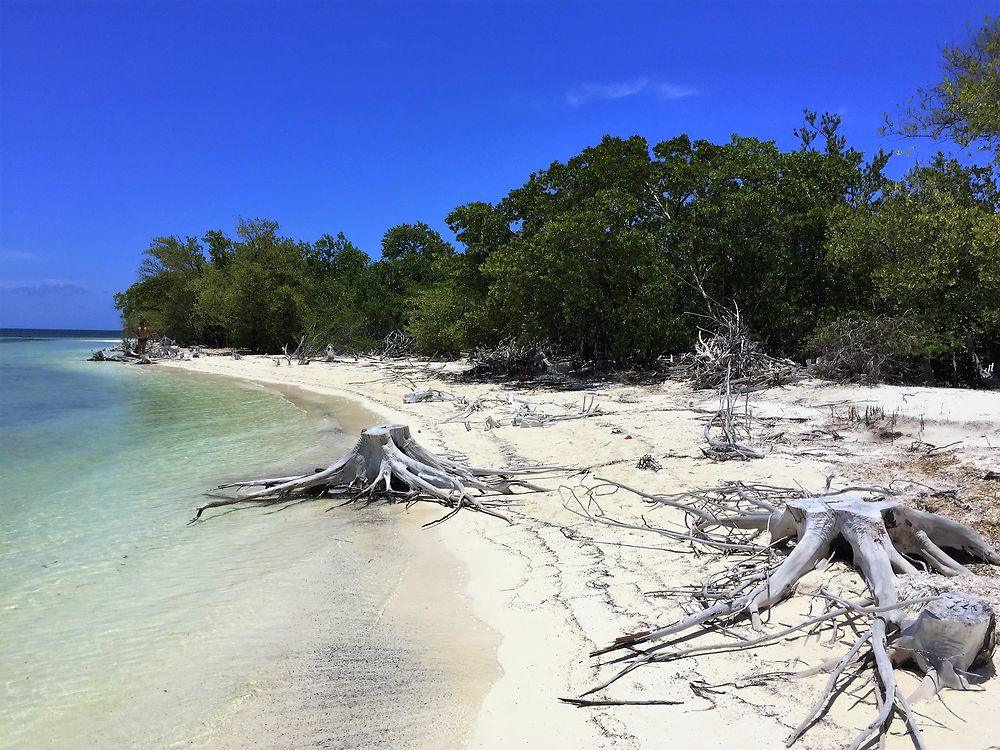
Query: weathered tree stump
[(950, 635), (388, 463), (944, 637)]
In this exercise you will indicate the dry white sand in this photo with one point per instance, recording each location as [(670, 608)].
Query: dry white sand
[(553, 586)]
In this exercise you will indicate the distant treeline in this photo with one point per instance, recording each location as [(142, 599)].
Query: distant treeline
[(612, 254)]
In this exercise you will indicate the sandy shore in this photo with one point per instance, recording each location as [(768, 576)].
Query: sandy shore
[(554, 585)]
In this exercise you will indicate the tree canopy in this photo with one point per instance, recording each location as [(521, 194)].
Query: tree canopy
[(964, 106), (614, 253)]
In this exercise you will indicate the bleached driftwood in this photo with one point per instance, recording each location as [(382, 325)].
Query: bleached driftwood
[(395, 344), (952, 635), (944, 636), (525, 415), (420, 395), (387, 463), (729, 353), (727, 435)]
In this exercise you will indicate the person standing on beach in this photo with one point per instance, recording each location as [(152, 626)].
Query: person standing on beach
[(142, 335)]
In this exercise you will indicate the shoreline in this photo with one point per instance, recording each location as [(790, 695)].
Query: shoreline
[(462, 655), (553, 587)]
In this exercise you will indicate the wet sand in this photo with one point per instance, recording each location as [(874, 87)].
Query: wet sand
[(384, 652)]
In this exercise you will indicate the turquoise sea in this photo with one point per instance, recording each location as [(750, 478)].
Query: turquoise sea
[(121, 626)]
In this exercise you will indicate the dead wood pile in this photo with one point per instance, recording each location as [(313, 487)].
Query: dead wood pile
[(508, 359), (395, 345), (727, 352), (127, 351), (868, 350)]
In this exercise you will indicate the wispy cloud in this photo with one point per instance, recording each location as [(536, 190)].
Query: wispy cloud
[(673, 91), (595, 92), (44, 288), (17, 255)]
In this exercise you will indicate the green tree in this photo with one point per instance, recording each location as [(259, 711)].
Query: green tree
[(749, 223), (335, 285), (165, 294), (965, 105), (930, 251), (257, 296), (410, 254), (579, 264)]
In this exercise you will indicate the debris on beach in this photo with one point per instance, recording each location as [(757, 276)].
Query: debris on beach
[(127, 351), (726, 355)]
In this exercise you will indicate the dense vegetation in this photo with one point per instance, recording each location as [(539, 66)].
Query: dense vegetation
[(607, 255)]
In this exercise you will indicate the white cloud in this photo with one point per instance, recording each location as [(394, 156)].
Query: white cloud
[(17, 255), (673, 91), (43, 288), (595, 92)]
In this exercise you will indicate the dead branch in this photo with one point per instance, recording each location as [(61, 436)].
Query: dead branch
[(727, 352)]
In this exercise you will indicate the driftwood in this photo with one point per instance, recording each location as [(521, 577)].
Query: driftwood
[(387, 463), (508, 359), (127, 351), (420, 395), (942, 635), (726, 433), (527, 415), (868, 350)]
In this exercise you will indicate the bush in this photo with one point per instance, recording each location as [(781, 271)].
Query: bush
[(872, 350)]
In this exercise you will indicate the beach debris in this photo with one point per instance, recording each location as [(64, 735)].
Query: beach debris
[(526, 413), (127, 351), (508, 359), (420, 395), (388, 464), (945, 636), (111, 354), (870, 350), (395, 345), (727, 355), (648, 463), (728, 433)]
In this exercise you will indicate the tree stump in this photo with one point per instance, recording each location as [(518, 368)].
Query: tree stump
[(388, 463), (948, 635), (951, 635)]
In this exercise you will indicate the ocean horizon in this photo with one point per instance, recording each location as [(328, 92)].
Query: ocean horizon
[(57, 333)]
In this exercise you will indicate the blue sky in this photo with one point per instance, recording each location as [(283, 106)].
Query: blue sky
[(120, 122)]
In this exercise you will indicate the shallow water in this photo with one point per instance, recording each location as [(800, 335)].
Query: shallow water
[(121, 626)]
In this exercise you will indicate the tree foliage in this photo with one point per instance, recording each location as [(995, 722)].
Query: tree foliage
[(614, 252), (964, 106), (931, 251)]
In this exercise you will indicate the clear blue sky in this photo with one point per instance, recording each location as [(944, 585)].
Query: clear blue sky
[(120, 122)]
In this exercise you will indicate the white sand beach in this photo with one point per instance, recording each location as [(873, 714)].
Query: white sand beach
[(553, 585)]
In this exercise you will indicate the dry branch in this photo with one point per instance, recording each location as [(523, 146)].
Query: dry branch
[(727, 353), (395, 345)]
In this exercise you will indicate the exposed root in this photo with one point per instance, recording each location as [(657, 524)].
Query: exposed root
[(942, 635), (387, 463)]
